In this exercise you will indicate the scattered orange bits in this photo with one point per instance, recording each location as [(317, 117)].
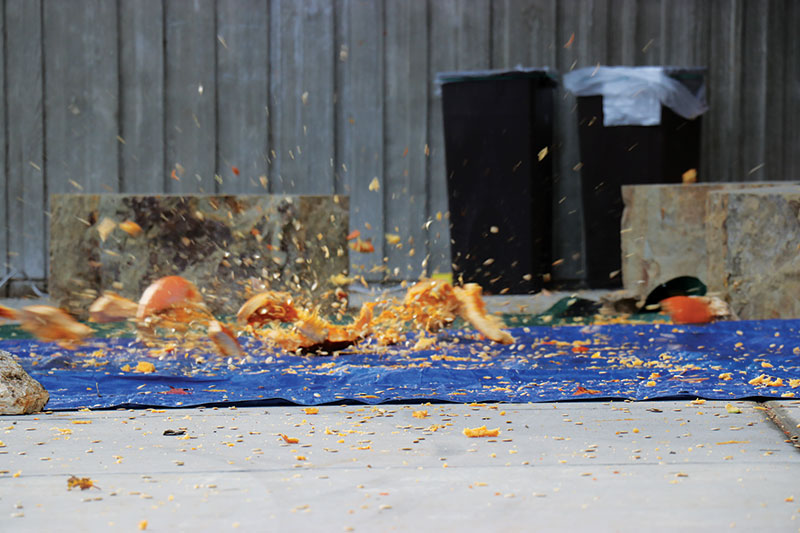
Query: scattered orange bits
[(392, 238), (365, 247), (143, 523), (355, 234), (130, 227), (289, 440), (767, 381), (83, 483), (301, 458), (105, 227), (794, 383), (481, 432), (420, 414), (235, 170), (48, 324), (81, 421), (145, 367), (764, 364), (726, 376), (111, 307), (311, 410), (423, 343)]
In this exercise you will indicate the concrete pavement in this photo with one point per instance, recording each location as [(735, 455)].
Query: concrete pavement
[(610, 466)]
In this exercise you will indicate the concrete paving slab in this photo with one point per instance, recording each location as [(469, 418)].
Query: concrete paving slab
[(605, 466)]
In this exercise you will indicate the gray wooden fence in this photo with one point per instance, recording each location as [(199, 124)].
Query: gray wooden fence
[(323, 96)]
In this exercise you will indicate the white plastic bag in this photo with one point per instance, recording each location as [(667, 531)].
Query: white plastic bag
[(632, 96)]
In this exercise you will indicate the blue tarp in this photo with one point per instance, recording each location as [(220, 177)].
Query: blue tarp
[(715, 361)]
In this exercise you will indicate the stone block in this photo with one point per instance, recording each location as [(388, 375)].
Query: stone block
[(20, 394), (224, 244), (663, 232), (753, 242)]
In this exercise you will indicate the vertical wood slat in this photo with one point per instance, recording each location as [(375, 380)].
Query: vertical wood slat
[(405, 93), (3, 167), (622, 45), (302, 93), (190, 107), (81, 96), (773, 88), (649, 41), (459, 37), (683, 23), (26, 188), (722, 122), (523, 33), (242, 94), (791, 97), (141, 69), (360, 125), (753, 72)]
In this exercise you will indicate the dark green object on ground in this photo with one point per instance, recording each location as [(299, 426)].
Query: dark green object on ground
[(680, 286)]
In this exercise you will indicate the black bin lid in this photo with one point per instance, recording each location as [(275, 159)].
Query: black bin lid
[(545, 74)]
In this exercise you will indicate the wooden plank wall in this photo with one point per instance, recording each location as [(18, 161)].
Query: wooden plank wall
[(325, 96)]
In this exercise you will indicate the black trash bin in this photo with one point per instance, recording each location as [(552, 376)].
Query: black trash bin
[(498, 130), (616, 155)]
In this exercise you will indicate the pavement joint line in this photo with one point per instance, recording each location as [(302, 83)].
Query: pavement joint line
[(779, 416), (314, 468)]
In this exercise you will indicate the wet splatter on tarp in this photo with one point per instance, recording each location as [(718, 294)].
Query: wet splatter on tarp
[(726, 360)]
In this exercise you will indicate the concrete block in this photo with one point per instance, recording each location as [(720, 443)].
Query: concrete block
[(753, 242), (224, 244), (663, 232)]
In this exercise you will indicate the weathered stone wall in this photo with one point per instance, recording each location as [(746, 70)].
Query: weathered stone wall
[(753, 241), (663, 232), (736, 237), (224, 244)]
